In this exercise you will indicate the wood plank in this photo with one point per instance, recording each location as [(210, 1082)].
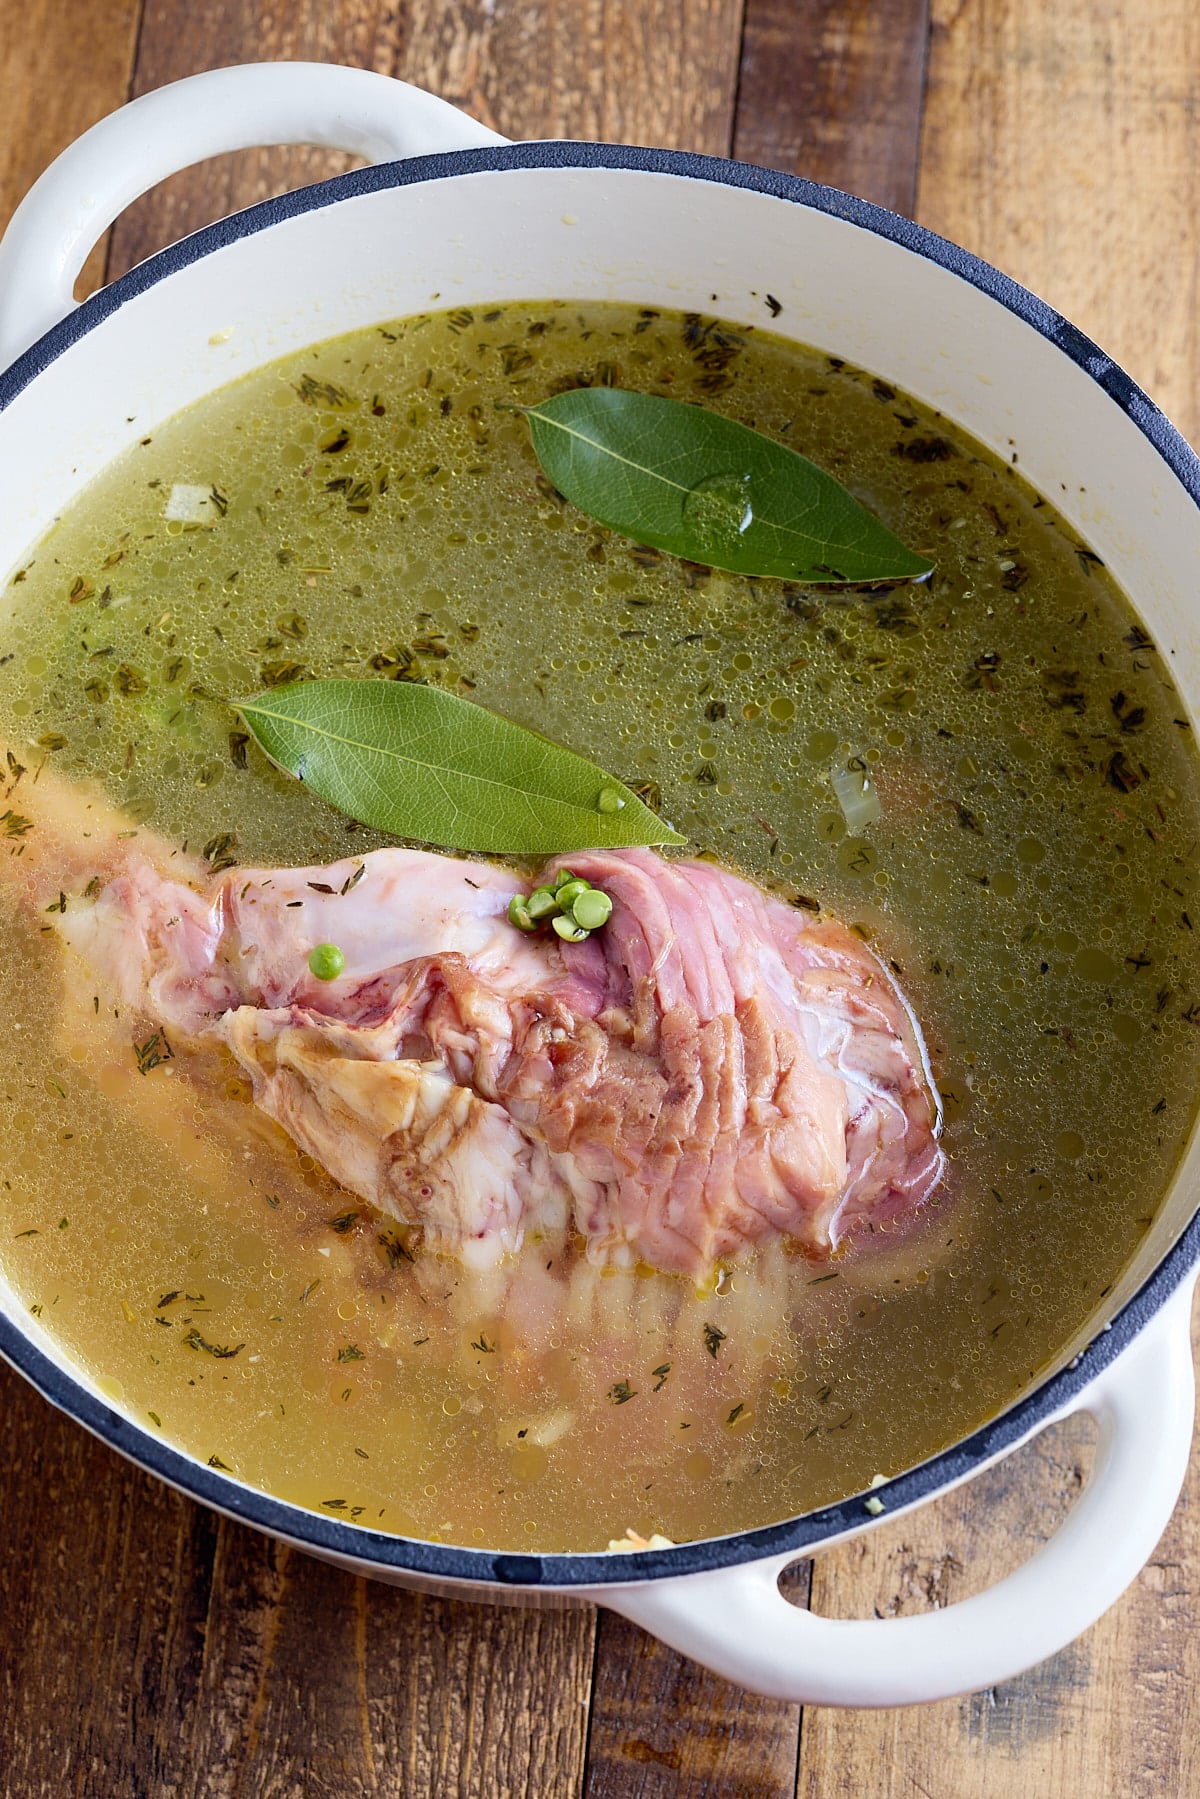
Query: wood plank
[(317, 1682), (107, 1576), (664, 1728), (1022, 162), (63, 65), (832, 89), (663, 72), (1063, 143)]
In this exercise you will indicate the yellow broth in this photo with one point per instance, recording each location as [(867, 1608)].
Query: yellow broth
[(1031, 877)]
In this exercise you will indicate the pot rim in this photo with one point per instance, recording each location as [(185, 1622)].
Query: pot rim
[(328, 1535)]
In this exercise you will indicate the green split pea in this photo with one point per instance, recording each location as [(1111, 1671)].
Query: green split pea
[(326, 961), (572, 907)]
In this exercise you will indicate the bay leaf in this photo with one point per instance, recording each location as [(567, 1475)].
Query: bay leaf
[(421, 763), (687, 480)]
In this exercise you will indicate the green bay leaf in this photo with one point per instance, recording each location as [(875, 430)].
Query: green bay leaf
[(421, 763), (696, 484)]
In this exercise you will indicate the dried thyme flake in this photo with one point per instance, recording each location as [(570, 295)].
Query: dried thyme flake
[(1120, 773), (622, 1393), (223, 1352), (153, 1052), (214, 1461), (394, 1248), (322, 393), (345, 1221), (713, 1338), (925, 449), (217, 851), (482, 1344), (280, 674), (661, 1373), (350, 1352)]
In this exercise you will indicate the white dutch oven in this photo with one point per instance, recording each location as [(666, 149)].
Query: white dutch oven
[(461, 218)]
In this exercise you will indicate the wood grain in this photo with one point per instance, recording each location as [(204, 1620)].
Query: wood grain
[(832, 90), (315, 1682), (107, 1577), (664, 1728), (63, 65), (662, 72), (1063, 143)]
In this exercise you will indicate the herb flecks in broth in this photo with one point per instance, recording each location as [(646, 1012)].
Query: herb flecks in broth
[(1031, 870)]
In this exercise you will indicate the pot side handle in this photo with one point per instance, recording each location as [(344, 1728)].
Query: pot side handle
[(737, 1622), (77, 198)]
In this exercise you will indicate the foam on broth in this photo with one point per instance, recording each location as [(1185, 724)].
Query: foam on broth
[(1032, 875)]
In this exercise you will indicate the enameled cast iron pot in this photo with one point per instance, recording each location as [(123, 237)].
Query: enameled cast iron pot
[(451, 214)]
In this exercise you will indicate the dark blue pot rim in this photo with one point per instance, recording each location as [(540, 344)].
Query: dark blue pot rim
[(487, 1567)]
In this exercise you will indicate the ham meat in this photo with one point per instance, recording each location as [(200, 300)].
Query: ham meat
[(710, 1071)]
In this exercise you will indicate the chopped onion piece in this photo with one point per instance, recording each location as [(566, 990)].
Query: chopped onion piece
[(632, 1540), (545, 1432), (856, 796), (191, 506)]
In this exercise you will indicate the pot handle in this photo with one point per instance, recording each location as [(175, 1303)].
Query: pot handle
[(737, 1622), (101, 173)]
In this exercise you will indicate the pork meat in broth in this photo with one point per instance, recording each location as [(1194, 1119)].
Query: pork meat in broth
[(721, 1073), (980, 790)]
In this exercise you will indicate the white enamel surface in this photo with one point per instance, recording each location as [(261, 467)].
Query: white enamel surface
[(84, 190), (652, 239)]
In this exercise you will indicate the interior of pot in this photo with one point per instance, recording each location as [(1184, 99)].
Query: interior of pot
[(571, 223)]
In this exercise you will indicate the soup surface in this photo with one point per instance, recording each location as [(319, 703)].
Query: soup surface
[(364, 509)]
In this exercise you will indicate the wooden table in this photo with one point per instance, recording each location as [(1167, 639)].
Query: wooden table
[(149, 1650)]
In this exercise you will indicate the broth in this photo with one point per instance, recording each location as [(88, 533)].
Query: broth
[(1031, 877)]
